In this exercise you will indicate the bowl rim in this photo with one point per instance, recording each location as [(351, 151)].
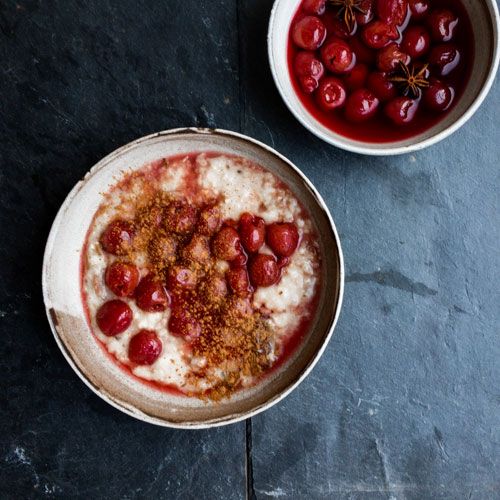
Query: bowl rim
[(129, 410), (365, 148)]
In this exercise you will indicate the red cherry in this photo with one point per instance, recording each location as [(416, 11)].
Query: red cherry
[(117, 237), (197, 250), (442, 24), (367, 12), (238, 281), (356, 78), (337, 56), (226, 244), (381, 86), (181, 324), (263, 270), (144, 347), (438, 96), (309, 33), (316, 7), (390, 57), (252, 232), (122, 278), (308, 84), (378, 34), (392, 11), (163, 248), (114, 317), (419, 8), (215, 288), (181, 278), (240, 260), (151, 295), (331, 93), (361, 105), (401, 110), (416, 41), (363, 53), (306, 64), (283, 238), (444, 59), (209, 221), (180, 217), (336, 27)]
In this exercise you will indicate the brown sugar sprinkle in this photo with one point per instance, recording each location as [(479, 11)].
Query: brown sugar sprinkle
[(174, 235)]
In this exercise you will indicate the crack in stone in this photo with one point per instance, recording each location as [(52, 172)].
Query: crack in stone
[(392, 279)]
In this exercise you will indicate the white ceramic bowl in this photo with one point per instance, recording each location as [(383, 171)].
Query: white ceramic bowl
[(486, 27), (63, 302)]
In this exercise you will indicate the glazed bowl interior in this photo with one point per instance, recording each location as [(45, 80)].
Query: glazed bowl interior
[(62, 294), (484, 20)]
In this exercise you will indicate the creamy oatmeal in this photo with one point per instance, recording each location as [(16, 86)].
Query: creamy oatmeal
[(199, 272)]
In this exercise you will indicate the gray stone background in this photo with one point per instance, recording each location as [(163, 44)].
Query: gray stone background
[(405, 403)]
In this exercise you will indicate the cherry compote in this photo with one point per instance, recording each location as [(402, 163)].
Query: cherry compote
[(380, 70)]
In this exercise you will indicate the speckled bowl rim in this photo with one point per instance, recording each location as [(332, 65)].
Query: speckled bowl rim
[(229, 419), (365, 148)]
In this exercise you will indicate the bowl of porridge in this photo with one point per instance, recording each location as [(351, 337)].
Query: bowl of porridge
[(193, 278)]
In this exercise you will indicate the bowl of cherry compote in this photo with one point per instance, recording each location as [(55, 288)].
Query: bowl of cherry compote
[(383, 76)]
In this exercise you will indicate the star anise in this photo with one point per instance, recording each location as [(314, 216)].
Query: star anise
[(347, 9), (411, 79)]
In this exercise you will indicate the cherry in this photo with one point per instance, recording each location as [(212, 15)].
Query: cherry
[(306, 65), (209, 221), (378, 34), (238, 306), (114, 317), (309, 33), (316, 7), (117, 237), (263, 270), (122, 278), (444, 59), (144, 347), (367, 12), (215, 288), (442, 24), (356, 78), (181, 278), (438, 96), (416, 41), (226, 244), (282, 238), (363, 53), (182, 324), (180, 217), (197, 250), (338, 56), (252, 232), (361, 105), (240, 260), (418, 8), (163, 248), (238, 281), (336, 27), (151, 295), (390, 57), (392, 11), (308, 84), (401, 110), (380, 84), (331, 93)]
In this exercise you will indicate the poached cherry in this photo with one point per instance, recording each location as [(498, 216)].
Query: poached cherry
[(282, 238), (117, 237), (380, 84), (238, 281), (226, 244), (263, 270), (316, 7), (144, 347), (442, 24), (356, 78), (309, 70), (114, 317), (419, 8), (209, 221), (392, 11), (438, 96), (361, 105), (401, 110), (180, 217), (122, 278), (181, 278), (338, 56), (151, 295), (416, 41), (331, 93), (378, 34), (309, 33), (390, 57), (444, 59), (252, 232), (367, 12), (197, 250), (182, 324)]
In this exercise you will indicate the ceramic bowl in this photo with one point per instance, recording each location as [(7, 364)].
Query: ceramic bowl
[(484, 14), (61, 286)]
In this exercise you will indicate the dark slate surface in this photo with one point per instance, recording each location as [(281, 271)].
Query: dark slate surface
[(404, 404)]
